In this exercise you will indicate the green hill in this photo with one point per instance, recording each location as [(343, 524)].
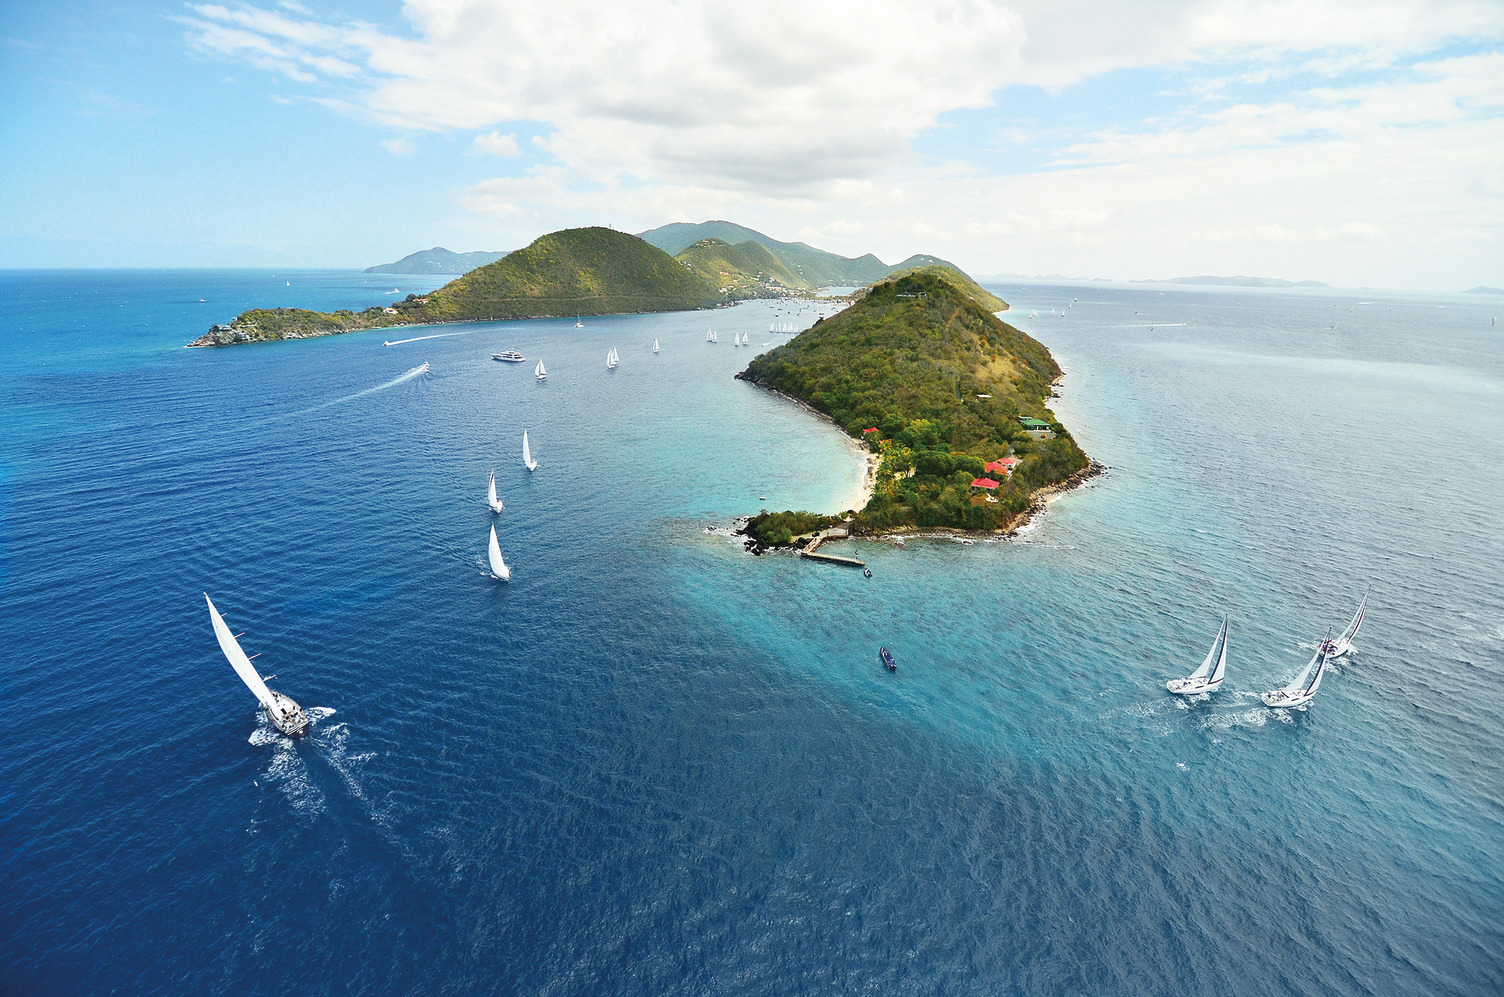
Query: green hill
[(745, 270), (437, 260), (815, 267), (583, 271), (952, 273), (911, 358)]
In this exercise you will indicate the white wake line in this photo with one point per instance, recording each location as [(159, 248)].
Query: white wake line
[(418, 339), (422, 368)]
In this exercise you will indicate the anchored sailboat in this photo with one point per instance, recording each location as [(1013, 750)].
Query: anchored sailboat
[(491, 499), (1344, 644), (527, 454), (1303, 688), (499, 569), (1207, 678), (285, 715), (539, 372)]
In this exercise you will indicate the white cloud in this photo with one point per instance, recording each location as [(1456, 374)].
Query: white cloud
[(1348, 146), (497, 144), (399, 146)]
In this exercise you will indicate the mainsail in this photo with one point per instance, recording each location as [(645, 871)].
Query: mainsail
[(1298, 684), (493, 555), (1216, 656), (238, 660), (491, 498), (527, 453)]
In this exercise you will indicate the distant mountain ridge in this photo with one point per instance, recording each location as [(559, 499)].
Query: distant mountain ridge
[(809, 266), (1208, 281), (1484, 289), (437, 260)]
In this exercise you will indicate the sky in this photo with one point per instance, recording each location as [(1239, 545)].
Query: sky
[(1356, 142)]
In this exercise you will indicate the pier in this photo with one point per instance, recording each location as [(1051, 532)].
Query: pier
[(831, 533), (850, 562)]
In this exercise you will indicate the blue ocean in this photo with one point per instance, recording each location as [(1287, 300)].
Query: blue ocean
[(654, 764)]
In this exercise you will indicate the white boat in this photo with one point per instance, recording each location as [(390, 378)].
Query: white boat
[(527, 454), (1303, 688), (285, 715), (710, 337), (491, 499), (539, 372), (612, 359), (499, 569), (510, 356), (1207, 678), (1337, 648), (655, 346), (577, 323)]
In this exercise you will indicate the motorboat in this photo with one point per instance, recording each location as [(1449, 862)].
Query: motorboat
[(510, 356)]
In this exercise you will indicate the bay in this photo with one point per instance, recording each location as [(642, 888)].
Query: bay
[(654, 764)]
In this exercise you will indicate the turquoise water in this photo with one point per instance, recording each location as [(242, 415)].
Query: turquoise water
[(654, 764)]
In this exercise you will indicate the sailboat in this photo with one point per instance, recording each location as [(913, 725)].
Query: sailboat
[(1343, 644), (539, 372), (499, 569), (285, 715), (577, 323), (655, 346), (1302, 689), (527, 454), (1207, 678), (491, 499), (612, 359), (710, 337)]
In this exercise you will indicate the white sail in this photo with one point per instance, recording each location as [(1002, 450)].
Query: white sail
[(1298, 684), (493, 555), (1344, 643), (238, 660), (527, 453), (1220, 670), (1217, 655), (539, 372), (655, 346), (491, 499)]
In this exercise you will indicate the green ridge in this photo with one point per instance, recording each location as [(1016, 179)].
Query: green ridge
[(746, 270), (584, 271), (910, 358)]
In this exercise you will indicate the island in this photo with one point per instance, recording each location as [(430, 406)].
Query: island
[(949, 400), (591, 271), (436, 260)]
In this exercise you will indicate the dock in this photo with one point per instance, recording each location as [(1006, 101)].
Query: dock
[(850, 562)]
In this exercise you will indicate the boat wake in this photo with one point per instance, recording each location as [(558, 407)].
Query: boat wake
[(417, 371), (419, 339)]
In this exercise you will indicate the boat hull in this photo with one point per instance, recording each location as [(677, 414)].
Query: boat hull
[(1190, 687), (1281, 700), (288, 717)]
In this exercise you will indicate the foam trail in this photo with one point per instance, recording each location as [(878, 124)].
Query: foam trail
[(416, 339), (422, 368)]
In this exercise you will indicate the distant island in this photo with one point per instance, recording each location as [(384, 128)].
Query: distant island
[(595, 271), (948, 398), (1480, 289), (1207, 281), (437, 260)]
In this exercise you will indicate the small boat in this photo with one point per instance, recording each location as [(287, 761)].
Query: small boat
[(1207, 678), (867, 572), (539, 372), (510, 356), (655, 346), (1303, 688), (886, 657), (527, 454), (1337, 648), (491, 499), (284, 714), (612, 359), (577, 323), (499, 569), (710, 337)]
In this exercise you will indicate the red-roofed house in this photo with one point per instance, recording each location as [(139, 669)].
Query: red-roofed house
[(872, 430), (1005, 465), (986, 483)]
